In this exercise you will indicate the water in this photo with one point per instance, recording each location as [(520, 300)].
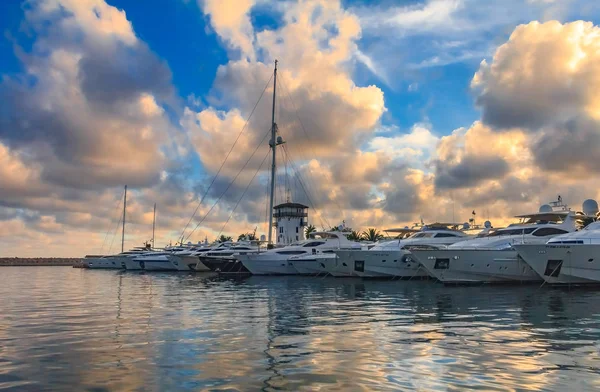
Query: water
[(73, 329)]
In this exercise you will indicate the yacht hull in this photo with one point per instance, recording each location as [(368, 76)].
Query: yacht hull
[(224, 265), (563, 263), (161, 263), (472, 266), (383, 264), (268, 266), (106, 263), (310, 266), (132, 264)]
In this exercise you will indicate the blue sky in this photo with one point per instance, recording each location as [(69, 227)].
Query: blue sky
[(406, 103)]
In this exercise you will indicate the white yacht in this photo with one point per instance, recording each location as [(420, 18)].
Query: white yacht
[(276, 261), (391, 259), (572, 258), (164, 260), (492, 258), (190, 258), (117, 261)]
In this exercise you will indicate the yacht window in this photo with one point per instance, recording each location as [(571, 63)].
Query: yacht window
[(291, 252), (242, 248), (498, 233), (313, 244), (442, 235), (544, 231), (566, 242), (328, 251)]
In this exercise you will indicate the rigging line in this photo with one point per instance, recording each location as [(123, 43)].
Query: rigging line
[(228, 186), (283, 85), (226, 157), (303, 187), (244, 193), (109, 228), (115, 233)]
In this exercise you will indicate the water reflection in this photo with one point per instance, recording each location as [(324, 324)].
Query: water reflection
[(69, 329)]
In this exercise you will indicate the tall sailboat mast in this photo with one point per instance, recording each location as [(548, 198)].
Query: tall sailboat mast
[(153, 224), (273, 144), (123, 230)]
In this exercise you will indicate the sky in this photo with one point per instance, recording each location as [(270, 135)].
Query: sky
[(392, 112)]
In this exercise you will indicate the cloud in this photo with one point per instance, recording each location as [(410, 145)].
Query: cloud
[(545, 73), (231, 21), (92, 122)]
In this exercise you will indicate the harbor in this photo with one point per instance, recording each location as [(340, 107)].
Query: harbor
[(299, 195)]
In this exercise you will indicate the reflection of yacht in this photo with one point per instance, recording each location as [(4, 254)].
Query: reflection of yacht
[(390, 258), (567, 258), (492, 258), (276, 261)]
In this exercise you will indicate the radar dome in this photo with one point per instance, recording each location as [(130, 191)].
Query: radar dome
[(466, 226), (590, 207), (487, 224), (263, 238), (546, 208)]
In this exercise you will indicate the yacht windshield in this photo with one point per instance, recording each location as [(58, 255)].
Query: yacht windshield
[(422, 235), (521, 231)]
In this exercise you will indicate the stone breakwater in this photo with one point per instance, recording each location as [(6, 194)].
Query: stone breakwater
[(38, 261)]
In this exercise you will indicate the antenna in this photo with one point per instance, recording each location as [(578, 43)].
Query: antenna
[(153, 225), (123, 231)]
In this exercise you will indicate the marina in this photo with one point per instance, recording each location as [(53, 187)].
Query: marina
[(302, 195)]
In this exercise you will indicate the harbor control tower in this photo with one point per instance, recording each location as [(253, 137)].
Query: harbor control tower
[(289, 220)]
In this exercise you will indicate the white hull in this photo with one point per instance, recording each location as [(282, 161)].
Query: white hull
[(462, 266), (383, 264), (186, 263), (267, 266), (131, 264), (310, 266), (111, 262), (339, 268), (160, 263), (564, 263)]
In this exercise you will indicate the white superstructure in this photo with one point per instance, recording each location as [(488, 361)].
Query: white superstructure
[(492, 258)]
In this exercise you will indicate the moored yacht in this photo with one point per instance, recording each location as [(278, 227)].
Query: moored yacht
[(276, 261), (117, 261), (391, 259), (572, 258), (225, 260), (189, 258), (492, 258)]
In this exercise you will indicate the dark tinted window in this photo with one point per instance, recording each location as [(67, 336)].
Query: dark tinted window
[(291, 252), (313, 244), (442, 235), (544, 231)]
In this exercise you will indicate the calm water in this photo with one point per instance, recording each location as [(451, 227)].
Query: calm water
[(72, 329)]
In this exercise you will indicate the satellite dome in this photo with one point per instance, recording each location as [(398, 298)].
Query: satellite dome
[(546, 208), (487, 224), (466, 226), (263, 238), (590, 207)]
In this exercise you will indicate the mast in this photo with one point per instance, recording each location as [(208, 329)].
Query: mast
[(273, 144), (123, 231), (153, 225)]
